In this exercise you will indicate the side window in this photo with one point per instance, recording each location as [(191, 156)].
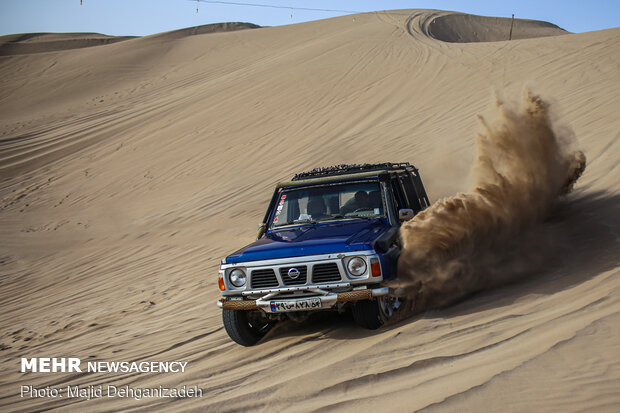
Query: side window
[(410, 192), (398, 195), (422, 197)]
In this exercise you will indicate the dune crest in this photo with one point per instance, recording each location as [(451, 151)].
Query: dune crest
[(206, 29), (21, 44), (474, 240), (30, 43)]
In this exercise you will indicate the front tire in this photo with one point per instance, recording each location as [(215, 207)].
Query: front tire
[(372, 314), (245, 327)]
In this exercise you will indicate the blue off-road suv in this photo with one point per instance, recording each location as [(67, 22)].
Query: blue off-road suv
[(329, 241)]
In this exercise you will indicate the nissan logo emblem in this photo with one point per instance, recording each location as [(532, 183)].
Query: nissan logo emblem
[(293, 273)]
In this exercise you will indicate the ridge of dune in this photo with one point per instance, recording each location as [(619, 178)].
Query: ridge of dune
[(21, 44), (206, 29), (29, 43), (128, 171)]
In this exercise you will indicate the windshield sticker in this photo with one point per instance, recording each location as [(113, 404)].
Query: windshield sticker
[(279, 208)]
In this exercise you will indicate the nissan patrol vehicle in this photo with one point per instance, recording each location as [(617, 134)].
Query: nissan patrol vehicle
[(329, 241)]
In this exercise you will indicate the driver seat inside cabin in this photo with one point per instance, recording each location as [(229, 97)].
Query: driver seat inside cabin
[(316, 207), (374, 201)]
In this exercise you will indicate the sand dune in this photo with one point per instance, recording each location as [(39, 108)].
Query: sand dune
[(205, 29), (128, 170), (50, 42), (466, 28), (19, 44)]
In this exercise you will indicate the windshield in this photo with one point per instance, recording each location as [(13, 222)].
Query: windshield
[(329, 202)]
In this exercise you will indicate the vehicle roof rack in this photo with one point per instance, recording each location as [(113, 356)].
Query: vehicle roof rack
[(344, 169)]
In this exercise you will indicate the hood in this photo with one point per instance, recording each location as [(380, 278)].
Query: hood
[(321, 238)]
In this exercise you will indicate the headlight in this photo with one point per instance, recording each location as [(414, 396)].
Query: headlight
[(237, 278), (356, 266)]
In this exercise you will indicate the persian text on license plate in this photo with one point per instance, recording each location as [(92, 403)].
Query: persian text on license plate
[(297, 305)]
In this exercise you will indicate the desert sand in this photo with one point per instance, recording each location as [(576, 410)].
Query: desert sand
[(130, 166)]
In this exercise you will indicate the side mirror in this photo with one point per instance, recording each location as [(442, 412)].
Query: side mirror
[(262, 228), (405, 214)]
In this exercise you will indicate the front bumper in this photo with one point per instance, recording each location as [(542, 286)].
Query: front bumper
[(270, 303)]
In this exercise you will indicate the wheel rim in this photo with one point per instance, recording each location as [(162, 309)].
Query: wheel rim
[(258, 323), (387, 306)]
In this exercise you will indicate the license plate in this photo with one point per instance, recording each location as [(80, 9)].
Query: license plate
[(295, 305)]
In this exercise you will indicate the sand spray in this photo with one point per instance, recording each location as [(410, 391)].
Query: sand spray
[(492, 234)]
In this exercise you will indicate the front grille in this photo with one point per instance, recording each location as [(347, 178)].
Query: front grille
[(264, 279), (300, 280), (325, 272)]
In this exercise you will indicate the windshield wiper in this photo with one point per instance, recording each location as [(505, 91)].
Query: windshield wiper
[(296, 221), (340, 217)]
